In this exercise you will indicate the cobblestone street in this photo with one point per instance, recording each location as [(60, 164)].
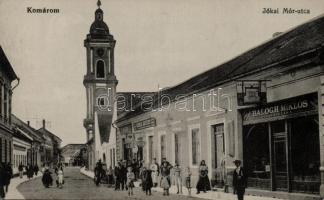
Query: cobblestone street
[(79, 186)]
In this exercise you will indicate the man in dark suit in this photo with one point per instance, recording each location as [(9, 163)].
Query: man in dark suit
[(239, 180)]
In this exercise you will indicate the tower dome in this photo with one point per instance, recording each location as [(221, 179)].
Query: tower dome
[(99, 28)]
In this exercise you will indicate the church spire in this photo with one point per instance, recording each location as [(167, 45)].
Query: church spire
[(98, 3)]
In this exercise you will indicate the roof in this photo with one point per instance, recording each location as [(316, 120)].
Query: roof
[(5, 64), (17, 133), (99, 29), (45, 131), (26, 128), (304, 38), (71, 149)]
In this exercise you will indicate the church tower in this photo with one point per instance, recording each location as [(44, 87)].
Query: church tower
[(100, 83)]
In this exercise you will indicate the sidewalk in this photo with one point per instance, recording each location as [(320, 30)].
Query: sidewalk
[(13, 193), (208, 195)]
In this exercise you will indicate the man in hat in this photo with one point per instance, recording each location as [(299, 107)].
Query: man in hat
[(239, 180)]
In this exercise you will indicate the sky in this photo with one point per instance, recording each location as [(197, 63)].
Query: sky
[(159, 43)]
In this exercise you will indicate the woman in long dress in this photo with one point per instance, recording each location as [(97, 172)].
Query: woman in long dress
[(203, 181), (155, 172), (165, 178), (47, 178), (60, 177)]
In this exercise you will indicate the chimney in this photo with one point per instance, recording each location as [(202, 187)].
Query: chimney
[(44, 123), (28, 123)]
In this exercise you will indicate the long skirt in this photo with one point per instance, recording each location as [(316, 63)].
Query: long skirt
[(165, 182), (47, 179), (154, 177), (60, 179), (203, 184)]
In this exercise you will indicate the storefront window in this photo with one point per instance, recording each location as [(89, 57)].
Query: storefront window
[(256, 155), (305, 155)]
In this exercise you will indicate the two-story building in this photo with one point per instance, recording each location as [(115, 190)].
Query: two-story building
[(36, 141), (7, 77), (51, 149)]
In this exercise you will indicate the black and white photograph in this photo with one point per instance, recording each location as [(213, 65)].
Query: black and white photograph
[(162, 99)]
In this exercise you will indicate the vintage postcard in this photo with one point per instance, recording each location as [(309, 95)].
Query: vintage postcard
[(162, 99)]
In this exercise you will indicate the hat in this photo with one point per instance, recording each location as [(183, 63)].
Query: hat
[(237, 161)]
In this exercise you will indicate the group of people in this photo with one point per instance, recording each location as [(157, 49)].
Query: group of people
[(6, 174), (126, 173), (47, 176), (30, 170)]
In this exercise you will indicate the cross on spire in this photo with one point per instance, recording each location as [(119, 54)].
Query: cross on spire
[(99, 3)]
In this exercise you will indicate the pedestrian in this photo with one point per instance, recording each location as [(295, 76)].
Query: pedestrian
[(30, 171), (123, 175), (21, 170), (118, 176), (110, 176), (36, 169), (164, 160), (142, 175), (2, 180), (98, 173), (147, 182), (188, 180), (203, 181), (239, 180), (60, 176), (47, 178), (8, 175), (177, 177), (155, 172), (165, 178), (130, 180)]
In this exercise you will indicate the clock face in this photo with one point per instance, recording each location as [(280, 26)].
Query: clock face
[(100, 52)]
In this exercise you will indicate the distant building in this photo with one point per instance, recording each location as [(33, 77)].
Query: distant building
[(22, 149), (51, 148), (7, 76), (30, 136), (71, 154)]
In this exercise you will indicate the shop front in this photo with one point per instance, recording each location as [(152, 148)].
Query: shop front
[(281, 147), (137, 140)]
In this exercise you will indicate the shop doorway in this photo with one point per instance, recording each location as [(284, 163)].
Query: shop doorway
[(283, 155), (218, 152), (280, 155)]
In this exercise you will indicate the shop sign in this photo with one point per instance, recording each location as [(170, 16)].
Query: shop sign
[(281, 109), (150, 122), (251, 92), (126, 130)]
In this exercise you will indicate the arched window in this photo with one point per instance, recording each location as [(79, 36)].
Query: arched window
[(100, 69)]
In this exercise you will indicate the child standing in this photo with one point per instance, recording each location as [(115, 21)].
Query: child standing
[(130, 180), (188, 180), (178, 179)]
